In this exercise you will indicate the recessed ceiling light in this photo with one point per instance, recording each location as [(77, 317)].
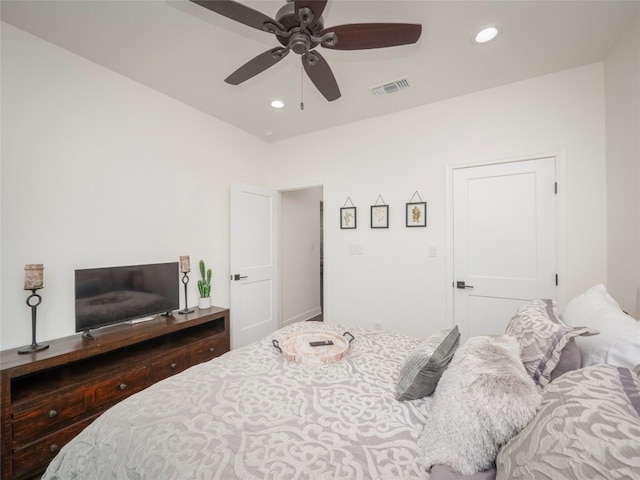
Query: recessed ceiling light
[(277, 104), (487, 34)]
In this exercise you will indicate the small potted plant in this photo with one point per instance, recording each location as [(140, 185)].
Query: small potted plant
[(204, 286)]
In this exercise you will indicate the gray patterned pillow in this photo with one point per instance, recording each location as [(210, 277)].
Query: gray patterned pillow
[(569, 359), (588, 427), (424, 366), (542, 336)]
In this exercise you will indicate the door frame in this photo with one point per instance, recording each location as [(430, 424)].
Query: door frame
[(561, 223), (281, 292)]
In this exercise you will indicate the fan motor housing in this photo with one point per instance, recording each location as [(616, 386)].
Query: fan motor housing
[(299, 41)]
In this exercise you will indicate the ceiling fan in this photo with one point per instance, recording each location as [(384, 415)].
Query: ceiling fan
[(299, 27)]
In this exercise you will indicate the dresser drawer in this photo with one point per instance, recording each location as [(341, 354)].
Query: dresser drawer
[(119, 387), (48, 414), (36, 456), (209, 348), (168, 365)]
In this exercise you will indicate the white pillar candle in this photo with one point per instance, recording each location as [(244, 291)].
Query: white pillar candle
[(33, 276), (185, 266)]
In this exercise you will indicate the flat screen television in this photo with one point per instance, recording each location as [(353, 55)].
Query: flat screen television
[(109, 295)]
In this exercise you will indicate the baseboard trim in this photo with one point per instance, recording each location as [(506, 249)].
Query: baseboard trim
[(302, 317)]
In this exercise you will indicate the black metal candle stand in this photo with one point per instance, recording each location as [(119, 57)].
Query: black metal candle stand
[(35, 346), (185, 281)]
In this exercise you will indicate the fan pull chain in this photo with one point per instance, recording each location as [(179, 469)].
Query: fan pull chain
[(301, 90)]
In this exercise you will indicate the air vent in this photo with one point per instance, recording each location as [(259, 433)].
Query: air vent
[(391, 87)]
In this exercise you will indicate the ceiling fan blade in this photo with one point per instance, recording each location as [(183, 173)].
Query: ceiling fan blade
[(316, 6), (257, 65), (362, 36), (321, 75), (238, 12)]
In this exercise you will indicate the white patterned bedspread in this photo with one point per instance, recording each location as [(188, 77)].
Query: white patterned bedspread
[(250, 414)]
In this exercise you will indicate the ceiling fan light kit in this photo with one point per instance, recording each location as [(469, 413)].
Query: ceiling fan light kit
[(299, 27)]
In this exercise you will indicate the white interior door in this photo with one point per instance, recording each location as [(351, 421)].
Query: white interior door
[(253, 264), (504, 241)]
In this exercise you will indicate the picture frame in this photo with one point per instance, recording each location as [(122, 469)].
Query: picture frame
[(416, 214), (379, 216), (348, 218)]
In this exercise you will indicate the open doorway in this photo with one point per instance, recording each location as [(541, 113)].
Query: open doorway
[(301, 255)]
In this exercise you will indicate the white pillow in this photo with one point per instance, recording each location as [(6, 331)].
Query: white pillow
[(619, 340)]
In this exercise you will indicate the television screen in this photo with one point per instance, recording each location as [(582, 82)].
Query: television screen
[(109, 295)]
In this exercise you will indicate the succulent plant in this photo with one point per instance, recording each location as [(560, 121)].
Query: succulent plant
[(204, 285)]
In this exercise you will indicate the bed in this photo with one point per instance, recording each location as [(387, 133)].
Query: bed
[(394, 407), (252, 414)]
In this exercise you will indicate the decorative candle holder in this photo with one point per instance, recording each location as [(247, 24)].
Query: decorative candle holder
[(185, 281), (185, 264), (35, 346)]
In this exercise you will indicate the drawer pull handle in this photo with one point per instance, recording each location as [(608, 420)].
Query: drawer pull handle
[(211, 349), (123, 386), (53, 448), (53, 413), (174, 365)]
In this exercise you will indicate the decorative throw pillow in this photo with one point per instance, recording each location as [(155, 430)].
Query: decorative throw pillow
[(569, 359), (619, 341), (423, 367), (542, 336), (483, 399), (587, 427)]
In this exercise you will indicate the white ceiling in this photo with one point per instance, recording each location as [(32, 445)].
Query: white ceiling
[(185, 51)]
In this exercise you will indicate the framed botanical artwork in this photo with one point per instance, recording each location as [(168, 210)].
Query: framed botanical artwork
[(380, 216), (347, 217), (417, 214)]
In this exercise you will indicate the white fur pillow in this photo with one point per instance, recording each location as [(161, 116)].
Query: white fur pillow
[(482, 400)]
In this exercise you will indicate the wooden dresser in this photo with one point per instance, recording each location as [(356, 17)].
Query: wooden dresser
[(48, 397)]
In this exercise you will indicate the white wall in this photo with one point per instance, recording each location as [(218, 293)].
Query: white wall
[(300, 254), (395, 281), (98, 170), (622, 82)]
